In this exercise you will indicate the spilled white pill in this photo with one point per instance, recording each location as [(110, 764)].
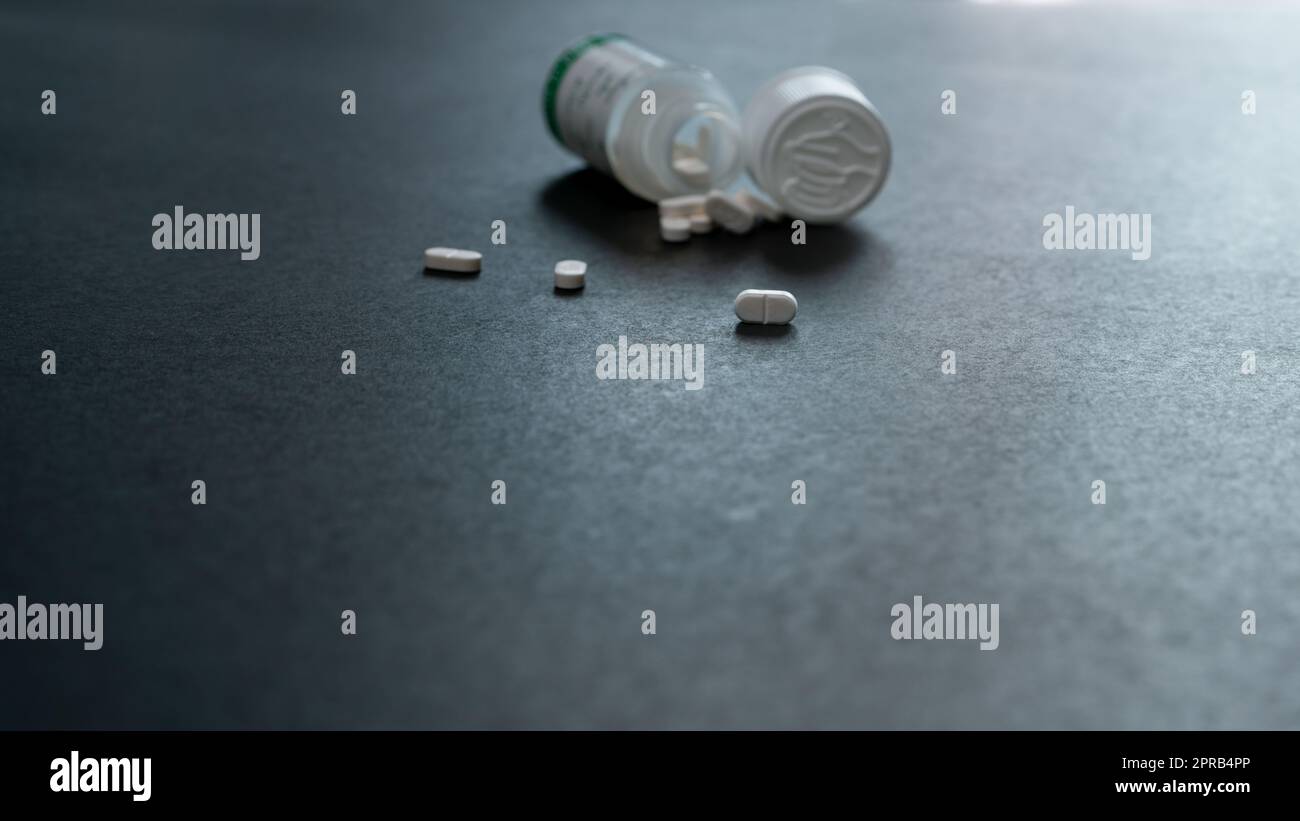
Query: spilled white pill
[(675, 229), (759, 206), (682, 206), (570, 274), (701, 224), (765, 307), (729, 212), (452, 259)]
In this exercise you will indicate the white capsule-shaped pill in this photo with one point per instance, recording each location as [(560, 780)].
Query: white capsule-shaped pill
[(729, 212), (760, 206), (765, 307), (701, 224), (692, 169), (683, 206), (452, 259), (570, 274), (703, 141), (675, 229)]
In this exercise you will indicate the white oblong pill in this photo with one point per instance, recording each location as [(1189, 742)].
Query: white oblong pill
[(570, 274), (729, 212), (675, 229), (760, 206), (692, 169), (761, 307), (701, 224), (682, 206), (703, 142), (452, 259)]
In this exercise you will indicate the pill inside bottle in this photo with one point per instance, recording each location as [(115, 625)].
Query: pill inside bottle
[(660, 127)]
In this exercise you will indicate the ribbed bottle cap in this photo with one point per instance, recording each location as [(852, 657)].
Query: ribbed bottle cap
[(815, 144)]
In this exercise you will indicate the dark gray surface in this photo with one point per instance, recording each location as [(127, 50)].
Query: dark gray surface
[(372, 492)]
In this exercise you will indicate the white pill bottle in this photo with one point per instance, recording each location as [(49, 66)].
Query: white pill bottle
[(660, 127)]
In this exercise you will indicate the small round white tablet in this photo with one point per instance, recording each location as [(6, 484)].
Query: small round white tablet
[(729, 212), (701, 224), (570, 274), (675, 229), (765, 307), (452, 259)]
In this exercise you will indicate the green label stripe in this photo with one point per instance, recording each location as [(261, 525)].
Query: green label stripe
[(561, 67)]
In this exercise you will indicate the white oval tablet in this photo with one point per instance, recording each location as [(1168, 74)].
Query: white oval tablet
[(675, 229), (729, 212), (692, 169), (570, 274), (703, 141), (765, 307), (452, 259)]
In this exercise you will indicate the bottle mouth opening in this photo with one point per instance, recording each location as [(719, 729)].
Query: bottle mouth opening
[(705, 149), (689, 144)]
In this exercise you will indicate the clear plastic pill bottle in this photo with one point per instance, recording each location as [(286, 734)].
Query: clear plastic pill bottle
[(660, 127)]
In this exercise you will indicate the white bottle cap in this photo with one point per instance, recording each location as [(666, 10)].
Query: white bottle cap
[(815, 144)]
